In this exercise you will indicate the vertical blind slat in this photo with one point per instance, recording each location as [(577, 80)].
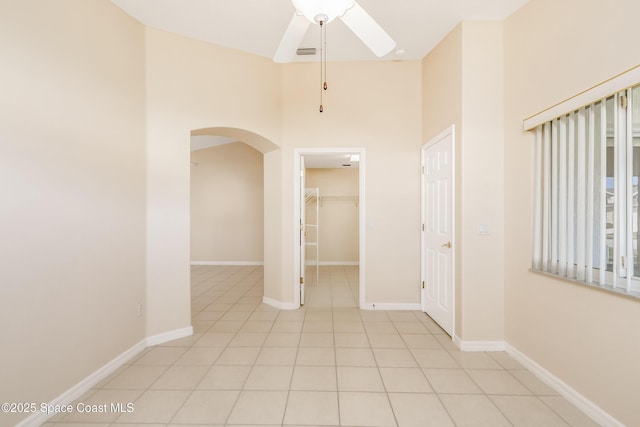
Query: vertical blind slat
[(580, 199), (562, 197), (603, 192), (546, 205), (571, 193), (590, 191), (554, 196), (629, 175), (616, 189), (537, 209)]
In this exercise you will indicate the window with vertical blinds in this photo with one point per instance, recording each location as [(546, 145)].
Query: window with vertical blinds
[(587, 173)]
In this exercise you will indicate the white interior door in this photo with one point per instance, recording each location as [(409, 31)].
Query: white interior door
[(303, 232), (437, 235)]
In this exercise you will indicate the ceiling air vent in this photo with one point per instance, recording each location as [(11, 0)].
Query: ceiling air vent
[(306, 51)]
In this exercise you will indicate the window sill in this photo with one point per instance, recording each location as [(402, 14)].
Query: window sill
[(608, 289)]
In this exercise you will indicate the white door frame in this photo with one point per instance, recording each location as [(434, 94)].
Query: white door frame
[(297, 155), (302, 232), (450, 131)]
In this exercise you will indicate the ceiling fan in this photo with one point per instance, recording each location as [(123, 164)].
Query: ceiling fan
[(324, 11)]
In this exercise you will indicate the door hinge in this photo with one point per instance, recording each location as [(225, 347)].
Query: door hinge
[(623, 102), (301, 280), (423, 284), (422, 227), (422, 170)]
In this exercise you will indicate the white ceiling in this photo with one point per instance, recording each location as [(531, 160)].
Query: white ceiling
[(257, 26), (330, 161), (201, 142)]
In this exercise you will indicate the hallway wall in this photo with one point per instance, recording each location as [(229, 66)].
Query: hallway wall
[(227, 199), (338, 218)]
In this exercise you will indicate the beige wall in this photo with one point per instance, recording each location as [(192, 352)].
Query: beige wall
[(229, 93), (462, 86), (338, 222), (72, 179), (482, 182), (442, 108), (586, 337), (227, 219), (375, 105)]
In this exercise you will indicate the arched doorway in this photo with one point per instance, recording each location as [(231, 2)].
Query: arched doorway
[(258, 142), (227, 189)]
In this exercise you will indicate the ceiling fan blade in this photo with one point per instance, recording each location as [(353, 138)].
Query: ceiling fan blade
[(292, 38), (368, 30)]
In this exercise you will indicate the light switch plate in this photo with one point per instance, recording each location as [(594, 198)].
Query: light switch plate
[(483, 229)]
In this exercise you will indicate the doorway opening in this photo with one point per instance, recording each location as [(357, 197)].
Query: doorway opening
[(227, 209), (227, 219), (329, 232)]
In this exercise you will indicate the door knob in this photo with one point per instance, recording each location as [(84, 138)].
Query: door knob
[(447, 245)]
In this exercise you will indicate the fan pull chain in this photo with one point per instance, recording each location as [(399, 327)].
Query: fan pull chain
[(323, 61), (324, 86)]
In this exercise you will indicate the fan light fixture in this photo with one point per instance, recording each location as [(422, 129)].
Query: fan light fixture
[(316, 11), (322, 10)]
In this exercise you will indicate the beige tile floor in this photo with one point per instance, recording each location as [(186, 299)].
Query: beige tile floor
[(326, 364)]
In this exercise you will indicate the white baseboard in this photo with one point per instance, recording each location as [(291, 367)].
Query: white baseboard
[(596, 413), (240, 263), (90, 381), (347, 263), (85, 385), (169, 336), (279, 304), (390, 306), (478, 345)]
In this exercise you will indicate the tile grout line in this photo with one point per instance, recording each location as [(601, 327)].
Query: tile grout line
[(205, 375), (214, 287), (213, 364)]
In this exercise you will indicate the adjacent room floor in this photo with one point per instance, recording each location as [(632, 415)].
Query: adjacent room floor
[(323, 365)]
